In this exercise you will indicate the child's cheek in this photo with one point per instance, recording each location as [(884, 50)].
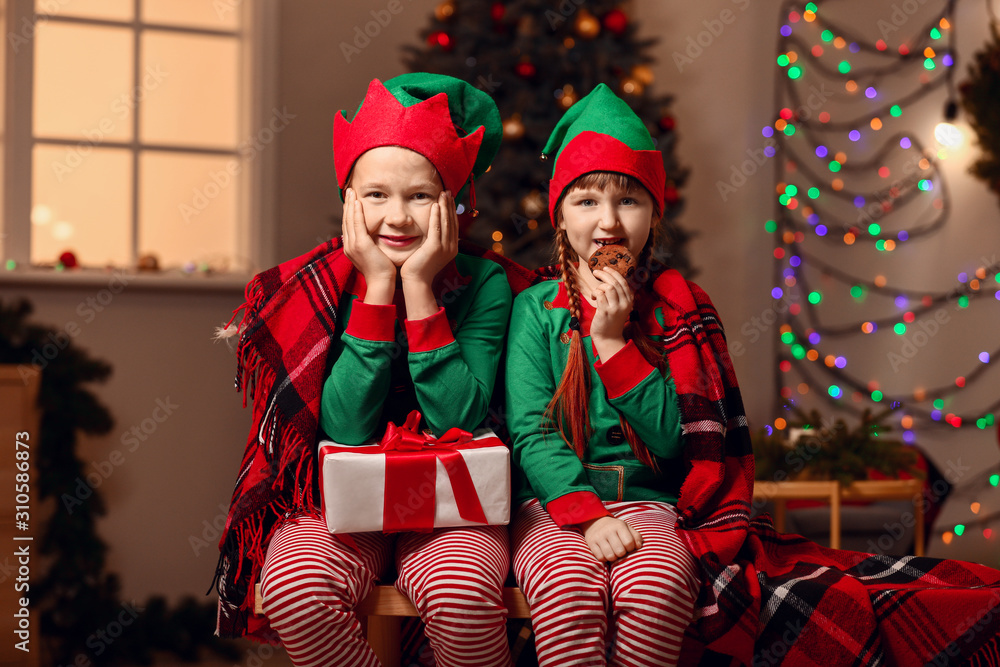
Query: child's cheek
[(371, 218)]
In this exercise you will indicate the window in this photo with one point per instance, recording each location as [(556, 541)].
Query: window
[(138, 129)]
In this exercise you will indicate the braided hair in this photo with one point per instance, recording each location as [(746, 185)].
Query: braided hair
[(569, 407)]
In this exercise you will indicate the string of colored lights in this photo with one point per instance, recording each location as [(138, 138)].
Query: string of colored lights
[(799, 137), (885, 201), (960, 529), (962, 297), (893, 108), (982, 419), (888, 198)]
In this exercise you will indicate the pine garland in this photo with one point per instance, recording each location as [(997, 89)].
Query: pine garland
[(82, 618), (832, 450), (979, 99)]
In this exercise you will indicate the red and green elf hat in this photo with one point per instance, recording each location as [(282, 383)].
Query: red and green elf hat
[(450, 122), (602, 133)]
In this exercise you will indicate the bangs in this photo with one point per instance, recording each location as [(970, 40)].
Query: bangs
[(603, 180)]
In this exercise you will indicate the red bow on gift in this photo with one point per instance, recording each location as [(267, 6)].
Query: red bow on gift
[(411, 460), (408, 438)]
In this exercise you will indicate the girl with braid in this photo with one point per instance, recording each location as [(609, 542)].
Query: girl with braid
[(593, 413), (633, 541)]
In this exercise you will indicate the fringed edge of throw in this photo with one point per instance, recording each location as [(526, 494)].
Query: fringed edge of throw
[(244, 543), (988, 654), (238, 325)]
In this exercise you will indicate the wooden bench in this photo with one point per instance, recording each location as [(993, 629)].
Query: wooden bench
[(382, 612), (835, 493)]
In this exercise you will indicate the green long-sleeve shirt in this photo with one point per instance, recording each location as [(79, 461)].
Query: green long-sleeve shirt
[(626, 384), (443, 365)]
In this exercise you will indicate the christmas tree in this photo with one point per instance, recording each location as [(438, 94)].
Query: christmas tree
[(536, 58)]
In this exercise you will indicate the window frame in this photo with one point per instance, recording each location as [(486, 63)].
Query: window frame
[(256, 206)]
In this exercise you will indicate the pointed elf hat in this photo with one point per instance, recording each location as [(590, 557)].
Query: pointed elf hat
[(602, 133), (450, 122)]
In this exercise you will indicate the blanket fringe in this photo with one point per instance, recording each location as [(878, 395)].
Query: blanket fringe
[(246, 361), (988, 654)]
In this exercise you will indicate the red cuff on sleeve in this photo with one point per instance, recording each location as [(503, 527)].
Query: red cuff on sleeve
[(375, 323), (429, 333), (624, 370), (576, 507)]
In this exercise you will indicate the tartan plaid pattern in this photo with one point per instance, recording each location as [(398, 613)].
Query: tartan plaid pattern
[(289, 317), (770, 599), (868, 609), (766, 598)]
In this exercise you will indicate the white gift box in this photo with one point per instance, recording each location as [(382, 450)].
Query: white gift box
[(353, 482)]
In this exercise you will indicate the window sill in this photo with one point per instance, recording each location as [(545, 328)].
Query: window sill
[(117, 279)]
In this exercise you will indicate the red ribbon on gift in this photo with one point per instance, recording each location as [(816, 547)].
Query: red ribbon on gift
[(411, 467)]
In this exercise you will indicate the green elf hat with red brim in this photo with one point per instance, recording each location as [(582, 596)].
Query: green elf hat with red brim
[(450, 122), (602, 133)]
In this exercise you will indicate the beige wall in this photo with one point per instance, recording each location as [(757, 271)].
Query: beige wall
[(174, 386), (164, 491)]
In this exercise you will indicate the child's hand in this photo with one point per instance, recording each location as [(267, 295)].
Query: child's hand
[(614, 300), (610, 539), (359, 247), (439, 247)]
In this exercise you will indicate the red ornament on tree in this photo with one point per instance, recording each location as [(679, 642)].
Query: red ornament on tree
[(616, 21), (525, 70), (667, 123), (671, 195), (440, 38), (68, 260), (496, 11)]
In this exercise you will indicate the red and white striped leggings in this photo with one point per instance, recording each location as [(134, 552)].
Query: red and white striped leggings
[(649, 595), (311, 583)]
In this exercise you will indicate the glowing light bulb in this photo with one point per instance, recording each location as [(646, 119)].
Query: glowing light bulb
[(948, 135), (41, 214), (62, 230)]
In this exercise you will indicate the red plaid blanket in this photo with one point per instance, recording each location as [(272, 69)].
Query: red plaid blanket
[(769, 599)]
